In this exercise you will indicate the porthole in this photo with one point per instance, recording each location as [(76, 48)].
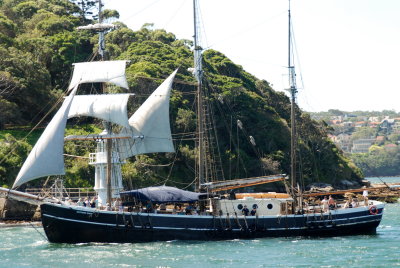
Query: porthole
[(240, 206), (255, 206), (270, 206)]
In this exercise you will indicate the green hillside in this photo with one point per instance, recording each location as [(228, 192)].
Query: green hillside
[(39, 43)]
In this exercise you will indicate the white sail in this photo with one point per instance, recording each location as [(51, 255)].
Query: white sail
[(151, 123), (110, 107), (46, 157), (99, 71)]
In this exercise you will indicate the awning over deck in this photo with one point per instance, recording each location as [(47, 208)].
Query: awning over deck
[(161, 194)]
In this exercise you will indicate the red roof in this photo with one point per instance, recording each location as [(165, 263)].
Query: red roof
[(391, 145)]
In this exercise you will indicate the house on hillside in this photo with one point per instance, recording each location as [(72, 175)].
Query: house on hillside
[(335, 122), (396, 125), (373, 124), (387, 125), (343, 141), (348, 124), (390, 147), (361, 145), (360, 124), (374, 119)]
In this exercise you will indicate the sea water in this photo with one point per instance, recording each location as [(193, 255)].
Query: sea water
[(383, 179), (27, 247)]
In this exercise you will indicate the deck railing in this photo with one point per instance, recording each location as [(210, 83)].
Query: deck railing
[(73, 193)]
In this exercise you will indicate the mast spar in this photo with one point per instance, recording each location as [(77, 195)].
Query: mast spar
[(198, 73), (293, 91)]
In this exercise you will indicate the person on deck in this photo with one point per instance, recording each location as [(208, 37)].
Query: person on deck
[(253, 212), (86, 202), (331, 203), (324, 203), (117, 204), (149, 207), (354, 203), (365, 195), (189, 209), (245, 211), (93, 203), (163, 207)]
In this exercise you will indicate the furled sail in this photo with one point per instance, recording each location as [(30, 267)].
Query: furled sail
[(150, 125), (46, 157), (99, 71), (110, 107)]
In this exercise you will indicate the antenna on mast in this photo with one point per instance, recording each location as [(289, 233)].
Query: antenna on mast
[(102, 44), (101, 28)]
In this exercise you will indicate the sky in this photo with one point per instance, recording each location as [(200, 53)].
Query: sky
[(347, 51)]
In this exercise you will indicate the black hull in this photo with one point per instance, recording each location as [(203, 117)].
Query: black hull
[(78, 225)]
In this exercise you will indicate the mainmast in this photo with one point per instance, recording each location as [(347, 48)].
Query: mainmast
[(198, 73), (293, 91)]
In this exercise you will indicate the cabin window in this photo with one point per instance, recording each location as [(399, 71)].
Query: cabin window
[(240, 206), (255, 206), (270, 206)]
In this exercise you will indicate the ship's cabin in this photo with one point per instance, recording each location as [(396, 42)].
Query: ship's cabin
[(253, 206)]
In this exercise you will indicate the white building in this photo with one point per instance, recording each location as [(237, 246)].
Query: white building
[(362, 145)]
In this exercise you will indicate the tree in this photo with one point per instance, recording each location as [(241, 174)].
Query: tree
[(12, 156), (335, 112), (363, 133), (9, 112)]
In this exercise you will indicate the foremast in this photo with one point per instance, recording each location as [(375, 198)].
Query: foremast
[(108, 175), (111, 165), (102, 47)]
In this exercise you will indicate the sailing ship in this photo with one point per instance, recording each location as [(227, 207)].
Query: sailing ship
[(207, 216)]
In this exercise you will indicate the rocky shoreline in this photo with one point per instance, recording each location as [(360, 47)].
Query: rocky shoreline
[(12, 210)]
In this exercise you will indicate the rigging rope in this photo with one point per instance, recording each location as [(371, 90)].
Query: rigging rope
[(42, 235)]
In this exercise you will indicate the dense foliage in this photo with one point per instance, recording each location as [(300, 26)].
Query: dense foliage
[(382, 158), (379, 162), (38, 44)]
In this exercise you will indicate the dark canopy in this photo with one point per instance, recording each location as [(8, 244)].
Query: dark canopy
[(161, 194)]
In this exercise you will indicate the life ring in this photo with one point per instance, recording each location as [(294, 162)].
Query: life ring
[(373, 210)]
